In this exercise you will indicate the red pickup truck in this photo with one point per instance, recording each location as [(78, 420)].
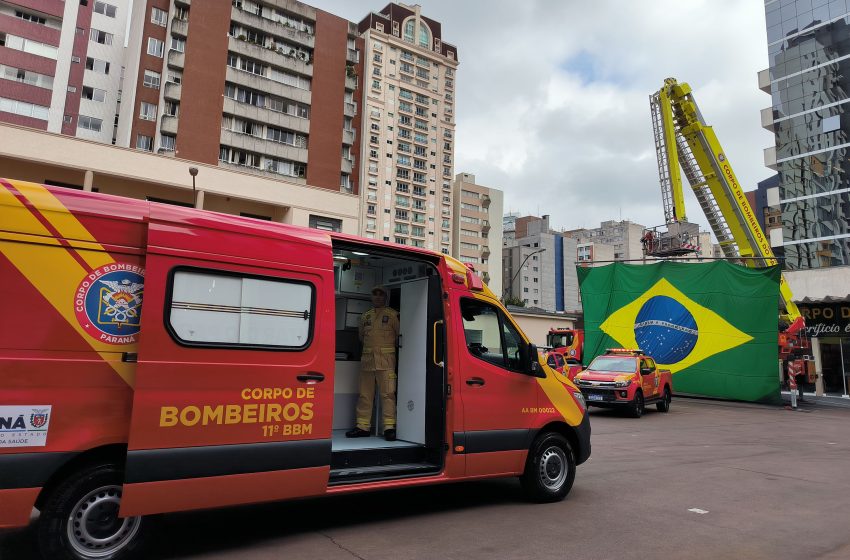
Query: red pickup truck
[(626, 378)]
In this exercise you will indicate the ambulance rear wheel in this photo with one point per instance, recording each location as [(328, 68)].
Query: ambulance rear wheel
[(550, 469), (79, 520)]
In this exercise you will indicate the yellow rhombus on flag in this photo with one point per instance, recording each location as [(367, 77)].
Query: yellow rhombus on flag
[(715, 334)]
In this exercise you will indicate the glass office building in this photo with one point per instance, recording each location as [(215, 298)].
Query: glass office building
[(809, 51)]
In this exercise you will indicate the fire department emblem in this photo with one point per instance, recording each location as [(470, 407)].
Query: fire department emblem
[(39, 420), (108, 303)]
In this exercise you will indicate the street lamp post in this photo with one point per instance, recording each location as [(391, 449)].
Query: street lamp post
[(510, 288), (193, 171)]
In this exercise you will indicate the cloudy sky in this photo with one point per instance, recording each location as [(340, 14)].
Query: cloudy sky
[(553, 95)]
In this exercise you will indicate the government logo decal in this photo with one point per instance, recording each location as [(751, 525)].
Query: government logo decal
[(108, 303)]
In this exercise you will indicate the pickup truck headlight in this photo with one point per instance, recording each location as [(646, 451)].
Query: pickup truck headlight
[(625, 383), (580, 398)]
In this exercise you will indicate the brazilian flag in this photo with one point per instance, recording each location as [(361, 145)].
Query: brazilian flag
[(713, 325)]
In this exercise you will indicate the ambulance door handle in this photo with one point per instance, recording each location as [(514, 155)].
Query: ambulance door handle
[(475, 381), (311, 377)]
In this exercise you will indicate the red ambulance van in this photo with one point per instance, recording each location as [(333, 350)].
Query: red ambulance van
[(156, 359)]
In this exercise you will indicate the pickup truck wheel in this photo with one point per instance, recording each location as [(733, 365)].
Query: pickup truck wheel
[(550, 469), (637, 405), (79, 520), (664, 404)]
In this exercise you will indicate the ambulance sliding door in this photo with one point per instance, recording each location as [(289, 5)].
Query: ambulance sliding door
[(412, 361), (234, 389)]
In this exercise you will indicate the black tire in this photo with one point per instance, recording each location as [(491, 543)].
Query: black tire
[(550, 469), (664, 404), (637, 405), (79, 520)]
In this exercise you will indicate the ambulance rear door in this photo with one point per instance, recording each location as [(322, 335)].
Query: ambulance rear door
[(234, 389)]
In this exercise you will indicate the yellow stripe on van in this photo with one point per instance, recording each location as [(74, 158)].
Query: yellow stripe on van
[(53, 271), (558, 394)]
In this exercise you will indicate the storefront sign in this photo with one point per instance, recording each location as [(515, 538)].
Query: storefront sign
[(826, 319)]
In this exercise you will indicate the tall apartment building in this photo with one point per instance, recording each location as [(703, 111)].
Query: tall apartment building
[(476, 231), (408, 128), (809, 83), (60, 65), (539, 266), (268, 87)]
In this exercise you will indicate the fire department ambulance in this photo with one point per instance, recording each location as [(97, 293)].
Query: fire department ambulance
[(156, 359)]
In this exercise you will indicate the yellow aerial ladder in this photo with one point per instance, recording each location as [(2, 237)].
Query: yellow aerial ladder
[(683, 139)]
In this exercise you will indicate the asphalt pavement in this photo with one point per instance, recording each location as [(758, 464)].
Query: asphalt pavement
[(708, 480)]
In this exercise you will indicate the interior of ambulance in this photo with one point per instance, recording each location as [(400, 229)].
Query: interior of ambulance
[(413, 289)]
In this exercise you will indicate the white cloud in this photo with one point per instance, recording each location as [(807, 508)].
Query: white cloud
[(552, 96)]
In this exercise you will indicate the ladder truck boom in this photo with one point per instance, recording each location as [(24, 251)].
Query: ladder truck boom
[(683, 139)]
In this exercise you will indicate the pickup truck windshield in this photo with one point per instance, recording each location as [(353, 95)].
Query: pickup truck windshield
[(613, 363)]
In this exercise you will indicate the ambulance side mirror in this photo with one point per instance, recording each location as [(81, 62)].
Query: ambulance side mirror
[(533, 362)]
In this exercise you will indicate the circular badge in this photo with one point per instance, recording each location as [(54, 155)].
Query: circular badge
[(666, 330), (108, 303)]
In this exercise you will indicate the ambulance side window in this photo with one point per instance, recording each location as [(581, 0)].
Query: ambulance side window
[(490, 336), (214, 308)]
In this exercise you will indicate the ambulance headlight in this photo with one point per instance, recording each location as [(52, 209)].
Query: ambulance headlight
[(580, 398)]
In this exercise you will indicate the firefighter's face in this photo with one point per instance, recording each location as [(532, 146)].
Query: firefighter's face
[(379, 299)]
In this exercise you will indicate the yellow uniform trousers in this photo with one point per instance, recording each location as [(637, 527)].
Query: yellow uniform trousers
[(386, 380)]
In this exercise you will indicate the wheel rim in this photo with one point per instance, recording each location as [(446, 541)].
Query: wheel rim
[(553, 468), (639, 403), (94, 528)]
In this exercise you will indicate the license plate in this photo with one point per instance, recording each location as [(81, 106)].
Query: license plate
[(593, 397)]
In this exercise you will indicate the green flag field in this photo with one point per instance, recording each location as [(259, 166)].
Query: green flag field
[(713, 325)]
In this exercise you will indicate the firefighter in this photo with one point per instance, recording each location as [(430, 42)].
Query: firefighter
[(378, 332)]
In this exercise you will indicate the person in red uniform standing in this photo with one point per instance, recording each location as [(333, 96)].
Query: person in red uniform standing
[(378, 333)]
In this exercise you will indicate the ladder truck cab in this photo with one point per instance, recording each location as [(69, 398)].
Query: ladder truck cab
[(683, 141)]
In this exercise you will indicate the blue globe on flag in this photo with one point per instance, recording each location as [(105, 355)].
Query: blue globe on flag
[(665, 330)]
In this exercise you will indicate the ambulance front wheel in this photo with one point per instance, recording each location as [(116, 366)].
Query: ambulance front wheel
[(550, 469), (79, 520)]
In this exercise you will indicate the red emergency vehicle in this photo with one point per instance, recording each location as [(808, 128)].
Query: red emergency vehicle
[(156, 359), (626, 378)]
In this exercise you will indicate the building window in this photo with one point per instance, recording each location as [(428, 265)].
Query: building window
[(234, 310), (89, 123), (106, 9), (147, 111), (152, 79), (326, 224), (26, 76), (94, 94), (178, 44), (172, 108), (30, 17), (409, 29), (144, 142), (95, 65), (288, 168), (101, 37), (155, 47), (159, 17), (167, 143)]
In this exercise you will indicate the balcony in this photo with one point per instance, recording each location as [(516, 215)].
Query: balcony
[(261, 145), (770, 158), (265, 85), (273, 28), (350, 110), (180, 27), (485, 226), (353, 56), (764, 80), (767, 119), (485, 251), (169, 125), (351, 82), (485, 201), (287, 61), (172, 91), (347, 165), (348, 137), (261, 114), (176, 59)]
